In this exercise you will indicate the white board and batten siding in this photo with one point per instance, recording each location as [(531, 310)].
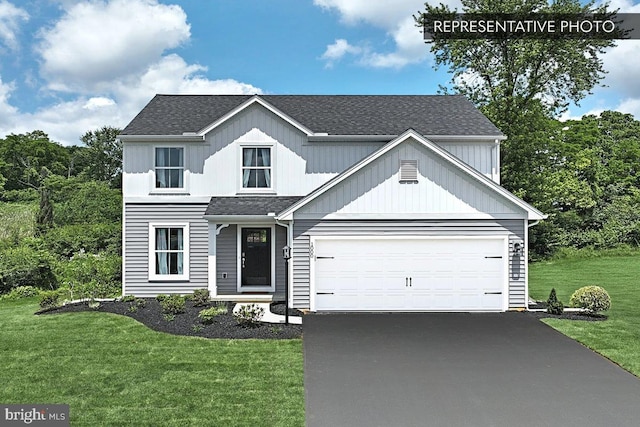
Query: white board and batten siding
[(136, 247), (440, 190), (299, 166), (511, 231)]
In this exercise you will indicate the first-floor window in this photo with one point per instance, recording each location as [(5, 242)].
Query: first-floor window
[(169, 251)]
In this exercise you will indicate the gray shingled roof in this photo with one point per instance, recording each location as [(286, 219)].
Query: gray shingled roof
[(249, 205), (333, 114)]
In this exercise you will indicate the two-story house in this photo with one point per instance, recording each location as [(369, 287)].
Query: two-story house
[(388, 203)]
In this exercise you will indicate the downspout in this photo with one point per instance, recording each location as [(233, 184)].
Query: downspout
[(290, 244), (533, 224)]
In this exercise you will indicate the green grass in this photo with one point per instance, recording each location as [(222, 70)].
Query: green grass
[(114, 371), (17, 219), (617, 338)]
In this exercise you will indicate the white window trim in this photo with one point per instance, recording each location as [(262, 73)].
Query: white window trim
[(240, 166), (185, 172), (152, 252), (241, 288)]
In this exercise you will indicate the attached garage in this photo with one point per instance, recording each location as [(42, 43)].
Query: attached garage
[(409, 274)]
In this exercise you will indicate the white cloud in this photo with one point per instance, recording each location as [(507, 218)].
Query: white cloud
[(10, 18), (619, 61), (108, 58), (630, 106), (97, 42), (337, 50), (395, 18)]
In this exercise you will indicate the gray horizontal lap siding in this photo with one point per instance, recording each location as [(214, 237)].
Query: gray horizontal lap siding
[(136, 247), (227, 259), (303, 229)]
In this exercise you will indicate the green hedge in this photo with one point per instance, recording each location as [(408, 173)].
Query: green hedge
[(93, 238)]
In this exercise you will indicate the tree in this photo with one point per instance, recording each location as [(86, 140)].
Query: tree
[(105, 155), (24, 157), (507, 76)]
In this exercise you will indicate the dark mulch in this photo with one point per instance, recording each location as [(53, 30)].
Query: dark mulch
[(565, 315), (188, 323)]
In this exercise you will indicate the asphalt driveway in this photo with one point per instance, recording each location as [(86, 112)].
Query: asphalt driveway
[(442, 369)]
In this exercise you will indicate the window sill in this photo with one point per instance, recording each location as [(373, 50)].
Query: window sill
[(157, 279), (256, 191), (177, 192)]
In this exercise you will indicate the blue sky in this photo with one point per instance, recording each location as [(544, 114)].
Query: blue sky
[(69, 66)]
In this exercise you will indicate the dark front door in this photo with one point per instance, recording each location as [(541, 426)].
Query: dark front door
[(256, 257)]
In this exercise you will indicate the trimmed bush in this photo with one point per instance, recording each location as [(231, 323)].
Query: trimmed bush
[(554, 306), (249, 315), (25, 266), (200, 297), (591, 298), (173, 304)]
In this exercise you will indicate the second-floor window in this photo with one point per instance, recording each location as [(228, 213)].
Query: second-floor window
[(169, 167), (256, 167)]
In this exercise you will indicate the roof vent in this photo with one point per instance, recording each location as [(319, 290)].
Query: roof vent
[(408, 171)]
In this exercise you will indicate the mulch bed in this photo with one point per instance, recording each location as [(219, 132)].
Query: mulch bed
[(188, 323), (568, 315)]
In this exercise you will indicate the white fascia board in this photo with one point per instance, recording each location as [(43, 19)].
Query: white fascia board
[(255, 100), (161, 138), (532, 213), (240, 219)]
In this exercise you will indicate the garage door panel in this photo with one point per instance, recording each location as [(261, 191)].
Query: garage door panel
[(409, 274)]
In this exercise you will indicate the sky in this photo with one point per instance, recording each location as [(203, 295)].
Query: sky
[(70, 66)]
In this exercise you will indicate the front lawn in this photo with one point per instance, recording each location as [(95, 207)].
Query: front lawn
[(617, 338), (112, 370)]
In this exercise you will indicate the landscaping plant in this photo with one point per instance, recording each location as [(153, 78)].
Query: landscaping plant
[(207, 315), (554, 306), (249, 315), (591, 298), (173, 304), (200, 297)]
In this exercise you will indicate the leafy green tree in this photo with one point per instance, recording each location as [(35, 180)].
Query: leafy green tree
[(105, 155), (24, 157), (507, 76)]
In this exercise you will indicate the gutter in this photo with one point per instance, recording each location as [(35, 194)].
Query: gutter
[(161, 138), (323, 137)]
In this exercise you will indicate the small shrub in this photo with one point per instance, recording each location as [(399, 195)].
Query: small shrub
[(173, 304), (161, 297), (140, 302), (591, 298), (200, 297), (197, 328), (207, 315), (49, 299), (128, 298), (554, 306), (94, 305), (132, 309), (249, 315), (169, 317)]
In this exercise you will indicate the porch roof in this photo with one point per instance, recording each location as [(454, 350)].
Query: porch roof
[(249, 205)]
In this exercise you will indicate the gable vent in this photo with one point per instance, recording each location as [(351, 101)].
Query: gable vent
[(408, 171)]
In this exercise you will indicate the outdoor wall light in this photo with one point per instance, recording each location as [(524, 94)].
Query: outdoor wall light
[(517, 249)]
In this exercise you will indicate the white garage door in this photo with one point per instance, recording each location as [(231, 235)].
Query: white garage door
[(435, 274)]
